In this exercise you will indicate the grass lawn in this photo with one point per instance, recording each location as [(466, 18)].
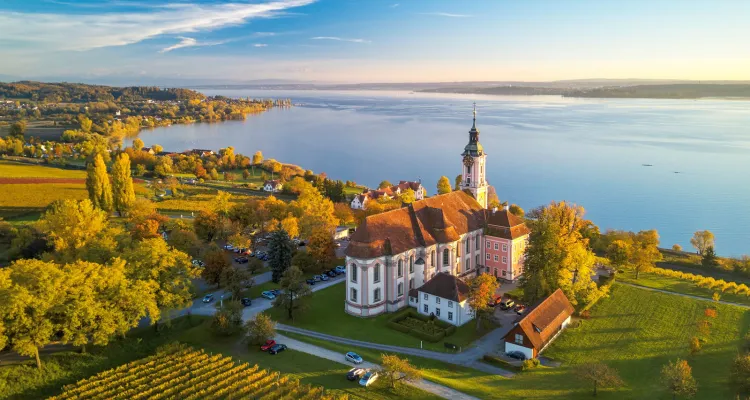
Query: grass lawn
[(634, 330), (11, 169), (24, 381), (326, 314), (679, 286)]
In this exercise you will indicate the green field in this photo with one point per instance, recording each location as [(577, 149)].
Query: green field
[(679, 286), (326, 314), (19, 170), (635, 330), (24, 382)]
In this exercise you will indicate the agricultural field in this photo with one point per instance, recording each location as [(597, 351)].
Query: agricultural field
[(10, 169), (30, 199), (635, 331), (179, 371)]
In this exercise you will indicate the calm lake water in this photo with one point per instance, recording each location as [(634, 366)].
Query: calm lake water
[(587, 151)]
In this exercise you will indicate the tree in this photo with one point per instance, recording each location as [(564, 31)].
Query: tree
[(312, 209), (295, 292), (702, 240), (385, 184), (443, 185), (618, 253), (677, 377), (32, 293), (395, 369), (558, 256), (122, 184), (291, 225), (207, 225), (598, 374), (304, 261), (85, 123), (694, 345), (645, 251), (71, 225), (228, 320), (322, 248), (254, 265), (138, 144), (457, 181), (260, 329), (245, 174), (157, 148), (709, 258), (676, 247), (343, 212), (739, 373), (516, 210), (17, 129), (279, 253), (215, 262), (408, 196), (235, 281), (97, 184), (257, 158), (185, 241), (482, 290)]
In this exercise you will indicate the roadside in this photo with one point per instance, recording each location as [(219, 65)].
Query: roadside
[(434, 388)]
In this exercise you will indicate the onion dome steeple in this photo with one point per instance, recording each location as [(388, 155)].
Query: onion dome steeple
[(474, 148)]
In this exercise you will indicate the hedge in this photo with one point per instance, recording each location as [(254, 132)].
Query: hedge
[(499, 362), (431, 330)]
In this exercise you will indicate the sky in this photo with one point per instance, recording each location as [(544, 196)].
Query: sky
[(375, 41)]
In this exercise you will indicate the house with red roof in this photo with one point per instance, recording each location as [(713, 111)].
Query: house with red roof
[(540, 325)]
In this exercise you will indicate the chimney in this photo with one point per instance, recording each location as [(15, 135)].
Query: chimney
[(494, 210), (506, 208)]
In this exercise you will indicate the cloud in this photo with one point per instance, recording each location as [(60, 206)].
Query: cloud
[(190, 42), (340, 39), (260, 45), (394, 5), (444, 14), (86, 31)]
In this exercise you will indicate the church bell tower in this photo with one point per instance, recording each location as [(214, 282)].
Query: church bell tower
[(474, 158)]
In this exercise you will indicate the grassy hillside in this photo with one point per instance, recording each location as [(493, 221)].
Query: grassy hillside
[(17, 170)]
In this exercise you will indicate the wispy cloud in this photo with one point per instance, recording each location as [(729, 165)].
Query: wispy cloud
[(260, 45), (340, 39), (449, 15), (85, 31), (190, 42), (394, 5)]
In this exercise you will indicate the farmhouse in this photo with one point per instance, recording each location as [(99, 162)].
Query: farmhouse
[(359, 202), (272, 186), (394, 252), (446, 297), (534, 331)]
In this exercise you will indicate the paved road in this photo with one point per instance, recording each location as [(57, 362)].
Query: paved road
[(469, 358), (682, 294), (439, 390)]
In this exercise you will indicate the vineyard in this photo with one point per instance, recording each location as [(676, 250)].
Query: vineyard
[(178, 371)]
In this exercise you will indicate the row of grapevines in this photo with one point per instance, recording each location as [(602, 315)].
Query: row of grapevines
[(246, 386)]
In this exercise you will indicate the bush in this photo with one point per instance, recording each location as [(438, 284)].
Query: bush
[(499, 362), (530, 364), (398, 327), (695, 345), (450, 330)]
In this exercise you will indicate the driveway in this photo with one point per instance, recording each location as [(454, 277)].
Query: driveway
[(434, 388)]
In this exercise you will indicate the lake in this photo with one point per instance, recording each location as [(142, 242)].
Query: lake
[(543, 148)]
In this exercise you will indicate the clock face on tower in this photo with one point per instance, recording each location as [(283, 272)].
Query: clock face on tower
[(468, 160)]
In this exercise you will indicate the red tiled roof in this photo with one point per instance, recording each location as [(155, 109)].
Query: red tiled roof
[(541, 323), (503, 224), (446, 286), (438, 219)]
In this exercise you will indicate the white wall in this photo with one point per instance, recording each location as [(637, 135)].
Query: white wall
[(461, 312), (529, 353)]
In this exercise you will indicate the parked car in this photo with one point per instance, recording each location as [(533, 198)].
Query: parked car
[(267, 346), (341, 269), (198, 263), (331, 273), (324, 277), (310, 281), (507, 304), (520, 309), (276, 292), (237, 250), (277, 348), (208, 298), (338, 244), (353, 357), (246, 302), (516, 355), (317, 278), (241, 260), (228, 247), (355, 374), (497, 300), (268, 295), (368, 378)]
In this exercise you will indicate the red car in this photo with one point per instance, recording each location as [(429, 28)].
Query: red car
[(268, 345)]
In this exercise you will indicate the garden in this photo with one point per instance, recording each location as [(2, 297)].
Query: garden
[(421, 326)]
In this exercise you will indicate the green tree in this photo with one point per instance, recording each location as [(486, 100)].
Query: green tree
[(482, 290), (443, 185), (739, 373), (558, 256), (645, 251), (17, 129), (140, 170), (322, 248), (32, 295), (678, 379), (385, 184), (295, 292), (618, 253), (254, 266), (395, 369), (702, 240), (260, 329), (97, 183), (280, 255), (304, 261), (85, 123), (185, 241), (457, 181), (598, 374), (236, 280), (408, 196), (228, 320), (516, 210), (215, 262), (709, 258), (123, 193)]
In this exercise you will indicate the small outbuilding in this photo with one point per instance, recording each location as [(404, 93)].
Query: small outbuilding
[(534, 331)]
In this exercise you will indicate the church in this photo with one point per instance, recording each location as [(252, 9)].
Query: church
[(399, 251)]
